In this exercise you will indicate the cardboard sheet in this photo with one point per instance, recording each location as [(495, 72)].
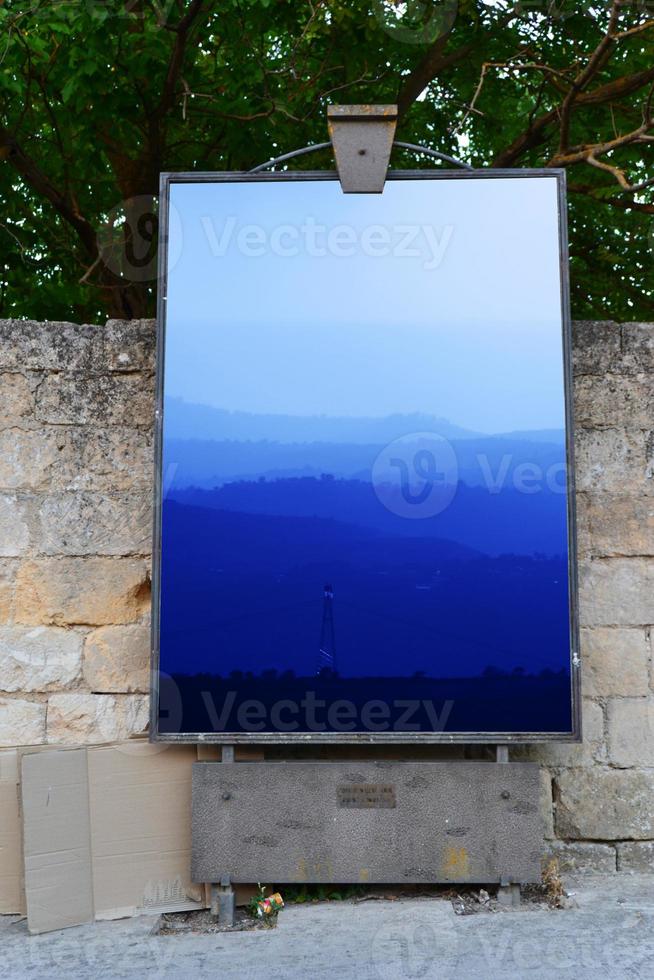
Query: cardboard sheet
[(107, 832), (140, 799), (56, 839), (11, 863)]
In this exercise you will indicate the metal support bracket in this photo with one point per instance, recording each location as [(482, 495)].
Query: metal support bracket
[(222, 896), (508, 894), (362, 138), (223, 902)]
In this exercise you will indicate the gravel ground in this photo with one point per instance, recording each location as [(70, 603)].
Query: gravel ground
[(607, 931)]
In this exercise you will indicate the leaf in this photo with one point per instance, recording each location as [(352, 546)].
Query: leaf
[(69, 88)]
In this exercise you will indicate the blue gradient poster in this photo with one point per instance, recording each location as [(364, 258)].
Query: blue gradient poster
[(364, 508)]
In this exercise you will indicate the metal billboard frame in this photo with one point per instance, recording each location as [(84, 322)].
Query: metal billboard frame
[(361, 737)]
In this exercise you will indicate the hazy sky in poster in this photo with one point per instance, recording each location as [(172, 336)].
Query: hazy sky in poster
[(307, 332), (363, 334)]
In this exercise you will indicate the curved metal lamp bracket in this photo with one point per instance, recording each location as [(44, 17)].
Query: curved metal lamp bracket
[(362, 140)]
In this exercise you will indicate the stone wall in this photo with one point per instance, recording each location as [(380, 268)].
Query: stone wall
[(75, 526), (76, 409), (603, 789)]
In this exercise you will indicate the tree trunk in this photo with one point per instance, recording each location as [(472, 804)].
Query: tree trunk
[(128, 300)]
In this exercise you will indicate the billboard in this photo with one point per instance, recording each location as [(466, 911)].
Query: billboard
[(364, 473)]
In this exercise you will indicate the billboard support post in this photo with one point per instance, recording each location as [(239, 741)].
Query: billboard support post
[(223, 899)]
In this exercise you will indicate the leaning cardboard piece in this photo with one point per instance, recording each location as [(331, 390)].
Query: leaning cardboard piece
[(117, 845), (128, 816), (56, 840), (141, 829), (11, 865)]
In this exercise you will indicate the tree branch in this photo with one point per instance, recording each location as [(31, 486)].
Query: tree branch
[(39, 182), (433, 63), (182, 30), (588, 153), (537, 132), (618, 202), (596, 61)]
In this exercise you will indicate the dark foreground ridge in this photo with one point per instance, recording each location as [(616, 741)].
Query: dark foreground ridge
[(492, 702)]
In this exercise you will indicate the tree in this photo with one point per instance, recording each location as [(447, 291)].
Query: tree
[(98, 96)]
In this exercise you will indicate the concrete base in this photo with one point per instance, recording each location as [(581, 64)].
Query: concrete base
[(368, 822)]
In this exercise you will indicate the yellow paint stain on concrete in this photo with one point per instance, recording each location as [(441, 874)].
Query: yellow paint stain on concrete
[(323, 870), (364, 874), (302, 871), (456, 863)]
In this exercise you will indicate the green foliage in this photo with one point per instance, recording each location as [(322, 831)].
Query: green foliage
[(252, 907), (301, 894), (98, 96)]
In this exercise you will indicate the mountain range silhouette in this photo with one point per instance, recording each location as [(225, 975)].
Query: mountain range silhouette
[(469, 604)]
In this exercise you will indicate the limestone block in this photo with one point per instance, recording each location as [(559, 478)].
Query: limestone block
[(615, 460), (92, 718), (55, 346), (631, 732), (129, 345), (8, 569), (619, 524), (595, 346), (77, 458), (614, 662), (118, 399), (117, 659), (617, 592), (21, 722), (614, 401), (30, 458), (605, 804), (576, 858), (39, 658), (16, 399), (637, 347), (84, 523), (106, 459), (636, 856), (14, 527), (92, 591), (584, 548)]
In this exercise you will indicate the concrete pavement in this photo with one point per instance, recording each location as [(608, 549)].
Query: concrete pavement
[(608, 932)]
